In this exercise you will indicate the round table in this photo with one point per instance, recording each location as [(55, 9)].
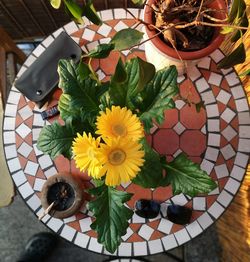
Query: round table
[(218, 138)]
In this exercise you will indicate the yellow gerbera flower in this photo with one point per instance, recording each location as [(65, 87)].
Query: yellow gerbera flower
[(121, 159), (119, 122), (85, 149)]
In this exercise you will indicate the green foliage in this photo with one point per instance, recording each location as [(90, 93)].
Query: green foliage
[(55, 3), (186, 177), (126, 38), (74, 9), (111, 215), (101, 51), (90, 12), (139, 2)]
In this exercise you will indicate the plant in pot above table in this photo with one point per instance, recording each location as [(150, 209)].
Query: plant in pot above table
[(104, 128)]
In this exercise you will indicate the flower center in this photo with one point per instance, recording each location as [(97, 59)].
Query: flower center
[(117, 157), (119, 130), (91, 153)]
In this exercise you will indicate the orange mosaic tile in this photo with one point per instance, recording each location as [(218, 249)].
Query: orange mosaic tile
[(107, 64), (162, 194), (135, 238), (188, 91), (171, 118), (156, 235), (75, 225)]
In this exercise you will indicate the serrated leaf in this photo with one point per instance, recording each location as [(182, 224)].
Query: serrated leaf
[(74, 9), (151, 174), (111, 215), (55, 3), (83, 70), (126, 38), (138, 2), (236, 57), (90, 12), (186, 177), (101, 51), (55, 140), (157, 97)]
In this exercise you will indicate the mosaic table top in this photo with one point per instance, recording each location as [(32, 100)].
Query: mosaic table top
[(218, 138)]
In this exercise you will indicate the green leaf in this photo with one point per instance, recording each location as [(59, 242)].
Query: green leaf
[(246, 73), (236, 57), (199, 106), (55, 140), (55, 3), (151, 175), (120, 75), (83, 70), (101, 51), (238, 34), (157, 97), (186, 177), (74, 9), (138, 2), (90, 12), (111, 215), (126, 38), (227, 30), (237, 9)]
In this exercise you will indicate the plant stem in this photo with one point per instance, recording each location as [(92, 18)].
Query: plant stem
[(93, 73)]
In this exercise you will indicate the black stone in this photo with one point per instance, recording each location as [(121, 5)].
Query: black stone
[(179, 214), (147, 208)]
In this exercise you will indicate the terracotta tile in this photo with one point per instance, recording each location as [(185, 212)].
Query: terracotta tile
[(77, 172), (31, 105), (235, 124), (221, 107), (156, 235), (225, 85), (112, 33), (29, 122), (205, 73), (213, 67), (78, 33), (149, 139), (154, 224), (220, 159), (112, 23), (169, 158), (210, 200), (135, 238), (62, 164), (231, 104), (166, 141), (19, 140), (108, 64), (93, 27), (176, 228), (213, 174), (92, 233), (223, 142), (189, 204), (235, 142), (136, 53), (29, 139), (230, 164), (191, 119), (193, 142), (97, 37), (195, 159), (95, 63), (187, 89), (162, 194), (216, 90), (171, 118), (40, 174), (75, 225), (31, 180), (129, 22), (135, 226), (195, 215), (83, 42), (23, 161), (39, 194), (32, 156), (222, 182), (19, 120), (223, 124), (80, 216), (22, 102)]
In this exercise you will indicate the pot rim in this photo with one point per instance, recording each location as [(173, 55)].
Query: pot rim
[(189, 55)]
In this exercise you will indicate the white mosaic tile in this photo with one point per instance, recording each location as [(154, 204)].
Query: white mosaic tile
[(9, 123), (105, 40), (140, 248), (146, 231), (34, 202), (9, 137), (182, 236), (216, 210), (85, 224), (179, 128), (217, 56), (232, 185), (221, 171), (179, 104), (125, 185), (94, 245), (244, 118), (244, 131), (213, 125), (232, 79), (125, 249), (86, 22), (69, 219), (223, 97), (47, 41), (241, 159), (202, 85), (137, 219), (199, 203), (212, 153), (153, 129), (82, 240), (38, 185), (208, 97), (45, 218), (25, 112), (179, 199), (213, 139), (10, 151), (88, 34), (120, 13), (216, 191), (119, 26), (128, 234), (227, 152), (224, 198), (238, 92), (23, 130), (76, 39), (156, 218), (30, 60), (241, 105), (38, 120), (55, 224), (10, 110), (84, 49), (35, 133), (14, 165), (68, 232), (178, 152), (165, 226), (180, 79), (92, 45), (38, 50), (21, 71), (25, 149), (14, 97), (229, 133), (205, 220), (205, 63), (228, 115), (45, 161), (169, 242), (212, 110), (58, 32), (207, 166), (194, 229), (237, 172), (50, 172), (204, 130), (104, 30), (100, 74), (70, 28), (155, 246), (36, 150), (31, 168), (244, 145), (215, 79), (134, 11), (193, 73), (107, 15), (25, 190), (19, 178), (226, 71)]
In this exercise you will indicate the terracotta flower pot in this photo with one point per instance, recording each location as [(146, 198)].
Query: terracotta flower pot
[(161, 54)]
